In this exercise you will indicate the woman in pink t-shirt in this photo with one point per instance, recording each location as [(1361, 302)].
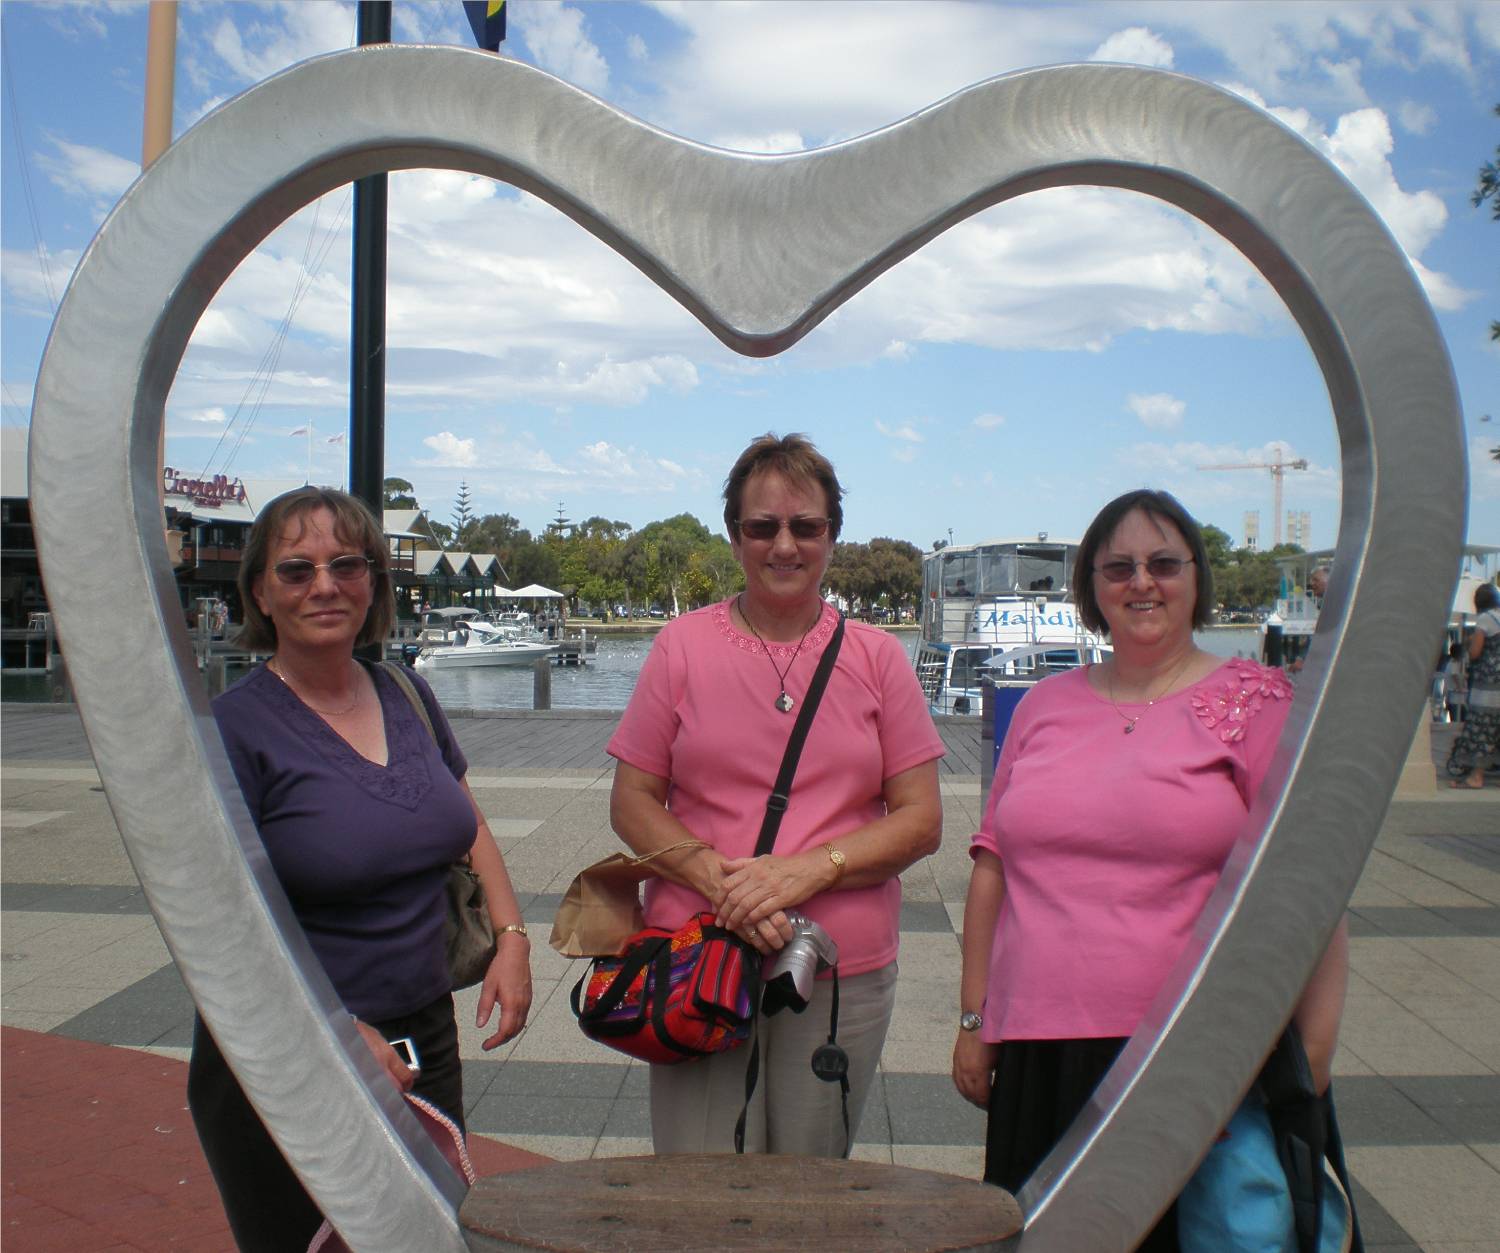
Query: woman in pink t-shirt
[(1119, 793), (699, 747)]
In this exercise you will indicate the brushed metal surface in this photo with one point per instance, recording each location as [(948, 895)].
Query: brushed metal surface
[(760, 248)]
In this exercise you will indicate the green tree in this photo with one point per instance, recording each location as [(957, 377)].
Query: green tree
[(463, 511), (397, 494)]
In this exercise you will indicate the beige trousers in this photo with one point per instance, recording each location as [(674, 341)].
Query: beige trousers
[(694, 1105)]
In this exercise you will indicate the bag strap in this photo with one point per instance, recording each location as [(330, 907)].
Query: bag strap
[(781, 792), (409, 690)]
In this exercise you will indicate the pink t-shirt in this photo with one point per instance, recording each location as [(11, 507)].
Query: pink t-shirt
[(702, 716), (1111, 843)]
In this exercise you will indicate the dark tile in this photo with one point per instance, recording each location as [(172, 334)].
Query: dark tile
[(926, 1109), (1432, 1091), (509, 1113), (1475, 849), (73, 898), (637, 1085), (564, 1079), (1415, 922), (156, 1010), (540, 909), (1371, 1110), (925, 916)]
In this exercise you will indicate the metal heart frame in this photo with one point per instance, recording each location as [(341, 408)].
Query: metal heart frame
[(760, 248)]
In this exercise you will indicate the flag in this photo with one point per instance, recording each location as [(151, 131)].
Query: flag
[(301, 430), (487, 17), (335, 439)]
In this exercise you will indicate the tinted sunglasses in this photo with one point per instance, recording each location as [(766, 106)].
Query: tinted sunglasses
[(770, 528), (298, 572), (1157, 568)]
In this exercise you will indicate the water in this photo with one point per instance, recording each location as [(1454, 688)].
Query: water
[(606, 682), (608, 679)]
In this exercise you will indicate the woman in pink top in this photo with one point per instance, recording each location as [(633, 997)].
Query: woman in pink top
[(698, 750), (1119, 793)]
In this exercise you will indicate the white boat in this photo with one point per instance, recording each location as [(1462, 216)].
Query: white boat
[(480, 643), (1001, 610)]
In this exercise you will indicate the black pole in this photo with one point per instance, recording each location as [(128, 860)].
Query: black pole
[(367, 341), (367, 369)]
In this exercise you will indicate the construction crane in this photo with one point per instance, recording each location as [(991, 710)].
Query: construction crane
[(1278, 469)]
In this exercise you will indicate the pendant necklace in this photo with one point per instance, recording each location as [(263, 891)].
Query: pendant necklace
[(782, 702), (359, 692), (1129, 721)]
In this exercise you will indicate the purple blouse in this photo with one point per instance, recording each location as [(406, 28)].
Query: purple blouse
[(362, 850)]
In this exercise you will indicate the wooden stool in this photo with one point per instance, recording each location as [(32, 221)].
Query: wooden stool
[(725, 1203)]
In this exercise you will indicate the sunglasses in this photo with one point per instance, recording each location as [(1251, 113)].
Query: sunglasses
[(770, 528), (299, 572), (1157, 568)]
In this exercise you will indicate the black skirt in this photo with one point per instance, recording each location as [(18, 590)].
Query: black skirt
[(269, 1210), (1040, 1087)]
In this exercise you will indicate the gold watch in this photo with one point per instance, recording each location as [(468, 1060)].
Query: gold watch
[(840, 862)]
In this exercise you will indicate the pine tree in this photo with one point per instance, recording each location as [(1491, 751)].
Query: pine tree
[(463, 514)]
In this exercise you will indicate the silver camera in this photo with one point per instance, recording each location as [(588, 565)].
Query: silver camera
[(789, 981)]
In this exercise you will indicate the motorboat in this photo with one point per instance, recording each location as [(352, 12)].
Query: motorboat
[(1000, 611), (480, 643)]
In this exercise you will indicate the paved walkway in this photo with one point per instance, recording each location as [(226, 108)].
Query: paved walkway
[(98, 1153)]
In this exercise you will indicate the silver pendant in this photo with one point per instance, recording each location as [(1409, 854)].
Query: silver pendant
[(785, 703)]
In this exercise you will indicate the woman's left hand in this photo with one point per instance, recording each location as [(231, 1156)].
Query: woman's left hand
[(755, 889), (507, 984)]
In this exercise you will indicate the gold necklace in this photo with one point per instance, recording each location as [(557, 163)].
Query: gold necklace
[(1109, 680), (782, 702), (359, 692)]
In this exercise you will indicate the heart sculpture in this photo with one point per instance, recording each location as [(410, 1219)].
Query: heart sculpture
[(760, 248)]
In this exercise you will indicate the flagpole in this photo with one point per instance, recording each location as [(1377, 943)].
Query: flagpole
[(367, 372)]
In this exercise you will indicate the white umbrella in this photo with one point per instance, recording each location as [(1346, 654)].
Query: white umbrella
[(535, 591)]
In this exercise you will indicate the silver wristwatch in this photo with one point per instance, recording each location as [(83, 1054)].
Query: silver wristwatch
[(970, 1021)]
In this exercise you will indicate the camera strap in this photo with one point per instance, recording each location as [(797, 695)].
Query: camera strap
[(776, 805)]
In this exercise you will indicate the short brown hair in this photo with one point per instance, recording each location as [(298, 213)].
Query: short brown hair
[(353, 523), (795, 459), (1160, 506)]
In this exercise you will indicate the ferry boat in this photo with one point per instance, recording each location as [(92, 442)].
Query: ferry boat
[(1001, 610)]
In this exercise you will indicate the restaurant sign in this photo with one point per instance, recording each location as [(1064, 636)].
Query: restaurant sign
[(219, 490)]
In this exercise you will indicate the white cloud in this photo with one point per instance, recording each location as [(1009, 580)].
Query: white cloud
[(989, 421), (1416, 118), (635, 48), (213, 415), (1157, 410), (555, 35), (451, 451), (1135, 46), (905, 432), (91, 173)]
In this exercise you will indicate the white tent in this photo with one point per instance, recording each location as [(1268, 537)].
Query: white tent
[(535, 591)]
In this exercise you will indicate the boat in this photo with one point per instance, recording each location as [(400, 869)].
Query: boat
[(480, 643), (1000, 611)]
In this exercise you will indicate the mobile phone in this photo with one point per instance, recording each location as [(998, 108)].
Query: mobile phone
[(407, 1052)]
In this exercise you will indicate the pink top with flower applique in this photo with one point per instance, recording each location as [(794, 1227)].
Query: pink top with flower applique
[(1112, 843)]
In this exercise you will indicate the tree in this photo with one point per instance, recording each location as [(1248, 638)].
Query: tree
[(463, 513), (397, 494)]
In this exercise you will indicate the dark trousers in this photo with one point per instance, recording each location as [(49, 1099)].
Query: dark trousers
[(269, 1210), (1040, 1087)]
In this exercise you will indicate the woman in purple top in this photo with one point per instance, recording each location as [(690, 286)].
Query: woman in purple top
[(1119, 792), (361, 810)]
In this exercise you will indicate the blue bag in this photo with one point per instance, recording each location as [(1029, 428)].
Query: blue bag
[(1238, 1201)]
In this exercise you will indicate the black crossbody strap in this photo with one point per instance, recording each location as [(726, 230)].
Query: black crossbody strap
[(781, 793)]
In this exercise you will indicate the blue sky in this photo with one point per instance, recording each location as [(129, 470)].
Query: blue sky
[(1009, 378)]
